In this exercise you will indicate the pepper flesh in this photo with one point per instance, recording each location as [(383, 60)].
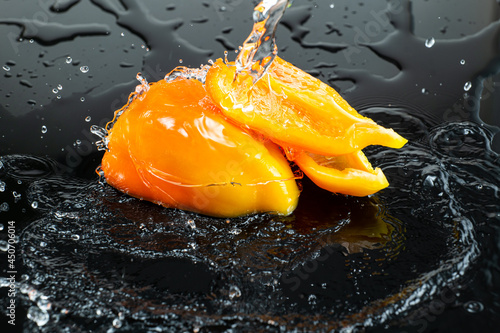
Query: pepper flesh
[(172, 147)]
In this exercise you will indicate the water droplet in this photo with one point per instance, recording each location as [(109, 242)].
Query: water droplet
[(44, 129), (59, 87), (1, 226), (75, 237), (180, 61), (122, 34), (31, 41), (84, 69), (43, 244), (69, 60), (462, 62), (191, 224), (4, 207), (474, 306), (34, 204), (117, 323), (234, 292), (6, 68), (4, 246), (332, 5), (430, 42), (2, 186), (82, 99), (425, 91), (58, 96), (16, 195), (39, 316), (55, 91), (467, 86), (88, 118)]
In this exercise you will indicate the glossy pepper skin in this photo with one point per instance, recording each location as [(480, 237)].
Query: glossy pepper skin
[(294, 109), (323, 134), (171, 146)]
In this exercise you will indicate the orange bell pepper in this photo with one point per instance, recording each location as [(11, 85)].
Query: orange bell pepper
[(205, 148), (293, 108), (172, 147)]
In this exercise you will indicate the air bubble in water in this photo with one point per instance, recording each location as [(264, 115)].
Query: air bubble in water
[(84, 69), (44, 129), (430, 42), (467, 86), (234, 292), (88, 118), (39, 316)]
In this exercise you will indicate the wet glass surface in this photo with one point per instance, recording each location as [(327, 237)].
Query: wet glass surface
[(419, 256)]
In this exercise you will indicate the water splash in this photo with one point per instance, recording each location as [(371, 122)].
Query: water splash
[(259, 49)]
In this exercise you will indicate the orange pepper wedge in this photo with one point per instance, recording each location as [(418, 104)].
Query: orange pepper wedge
[(350, 174), (171, 146), (293, 108)]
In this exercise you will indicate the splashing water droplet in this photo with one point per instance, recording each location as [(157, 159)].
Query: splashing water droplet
[(101, 133), (474, 307), (4, 207), (88, 118), (44, 129), (467, 86), (234, 292), (39, 316), (84, 69), (117, 323), (4, 246), (191, 224), (259, 49), (430, 42)]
